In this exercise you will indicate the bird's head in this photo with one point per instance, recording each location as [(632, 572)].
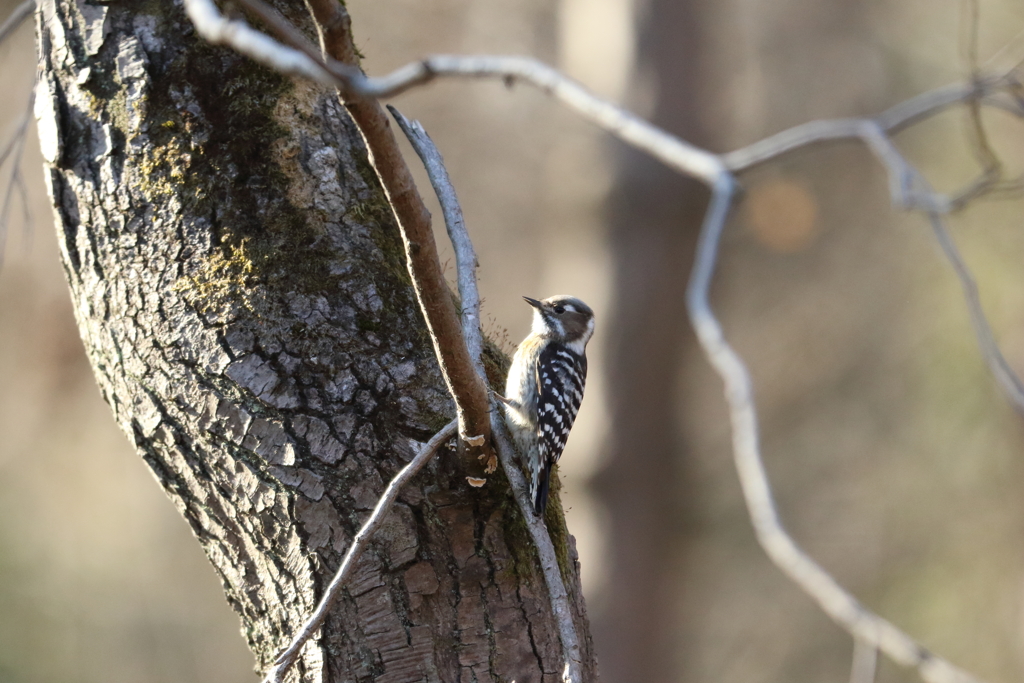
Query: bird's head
[(563, 318)]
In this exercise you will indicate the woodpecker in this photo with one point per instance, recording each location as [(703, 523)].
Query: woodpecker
[(545, 386)]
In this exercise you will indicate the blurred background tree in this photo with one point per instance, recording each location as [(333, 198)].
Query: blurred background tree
[(894, 458)]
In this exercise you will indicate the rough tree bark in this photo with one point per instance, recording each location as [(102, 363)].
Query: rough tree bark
[(242, 295)]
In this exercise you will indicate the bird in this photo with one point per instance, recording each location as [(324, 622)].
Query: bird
[(545, 384)]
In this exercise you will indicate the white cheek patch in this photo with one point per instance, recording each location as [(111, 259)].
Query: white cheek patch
[(538, 326)]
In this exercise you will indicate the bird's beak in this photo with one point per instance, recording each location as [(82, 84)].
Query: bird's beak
[(533, 302)]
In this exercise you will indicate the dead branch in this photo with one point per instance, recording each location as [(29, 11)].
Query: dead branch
[(466, 386), (908, 190), (236, 33), (545, 551), (865, 662), (465, 256), (466, 262), (780, 547), (676, 153), (359, 542)]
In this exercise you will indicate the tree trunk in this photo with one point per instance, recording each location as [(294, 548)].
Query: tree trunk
[(241, 290), (654, 217)]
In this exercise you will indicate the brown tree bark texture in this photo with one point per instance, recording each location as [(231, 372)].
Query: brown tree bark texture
[(240, 288)]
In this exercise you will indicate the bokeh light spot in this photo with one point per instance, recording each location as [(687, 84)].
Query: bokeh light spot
[(782, 214)]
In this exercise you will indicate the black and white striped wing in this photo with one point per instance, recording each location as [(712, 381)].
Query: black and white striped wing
[(561, 376)]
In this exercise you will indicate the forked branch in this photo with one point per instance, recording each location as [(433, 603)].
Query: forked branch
[(908, 188), (466, 385), (465, 256), (780, 547)]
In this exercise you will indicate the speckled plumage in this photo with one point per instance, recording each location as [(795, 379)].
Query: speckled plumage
[(545, 386)]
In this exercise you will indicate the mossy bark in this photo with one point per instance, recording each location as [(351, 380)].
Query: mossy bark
[(241, 291)]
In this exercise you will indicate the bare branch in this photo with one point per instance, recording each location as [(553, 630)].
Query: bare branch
[(890, 121), (908, 190), (835, 601), (215, 28), (997, 363), (545, 551), (894, 119), (236, 33), (15, 19), (865, 662), (466, 386), (465, 255), (630, 128), (359, 542), (842, 607)]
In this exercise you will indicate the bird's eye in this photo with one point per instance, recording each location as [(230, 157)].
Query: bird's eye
[(559, 309)]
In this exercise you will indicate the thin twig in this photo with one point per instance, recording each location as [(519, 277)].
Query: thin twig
[(14, 150), (15, 19), (994, 358), (359, 542), (26, 210), (991, 166), (969, 21), (465, 256), (545, 551)]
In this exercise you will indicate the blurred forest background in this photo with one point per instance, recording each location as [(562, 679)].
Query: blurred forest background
[(895, 460)]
